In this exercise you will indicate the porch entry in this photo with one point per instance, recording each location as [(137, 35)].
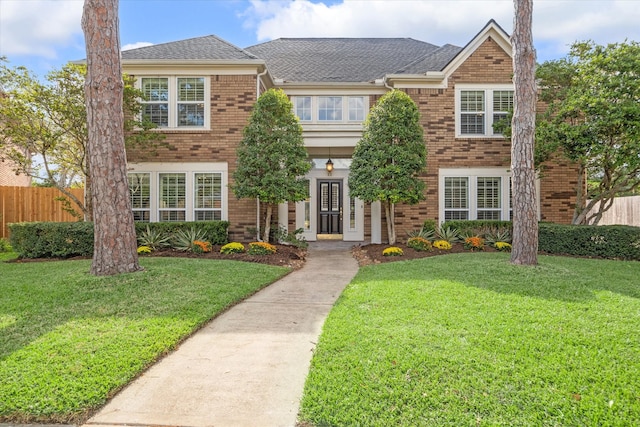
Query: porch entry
[(330, 209)]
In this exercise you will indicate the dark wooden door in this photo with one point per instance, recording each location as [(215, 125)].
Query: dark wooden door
[(330, 207)]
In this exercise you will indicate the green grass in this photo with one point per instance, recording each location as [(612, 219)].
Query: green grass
[(69, 340), (470, 340)]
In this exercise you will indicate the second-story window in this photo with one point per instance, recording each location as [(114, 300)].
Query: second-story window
[(175, 102), (302, 108), (330, 109), (479, 108)]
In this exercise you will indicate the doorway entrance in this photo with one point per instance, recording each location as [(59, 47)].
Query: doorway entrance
[(330, 208)]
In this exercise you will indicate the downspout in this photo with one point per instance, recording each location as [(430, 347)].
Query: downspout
[(258, 234)]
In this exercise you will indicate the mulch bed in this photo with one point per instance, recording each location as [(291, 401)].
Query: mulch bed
[(372, 254)]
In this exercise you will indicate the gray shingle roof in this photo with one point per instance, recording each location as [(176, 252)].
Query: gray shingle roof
[(347, 59), (199, 48)]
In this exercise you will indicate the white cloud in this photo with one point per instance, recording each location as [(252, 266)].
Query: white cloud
[(136, 45), (557, 23), (38, 27)]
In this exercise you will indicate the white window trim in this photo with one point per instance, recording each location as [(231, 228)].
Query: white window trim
[(315, 106), (488, 111), (173, 100), (190, 169), (473, 174)]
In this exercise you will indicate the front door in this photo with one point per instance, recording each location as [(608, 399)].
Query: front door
[(329, 206)]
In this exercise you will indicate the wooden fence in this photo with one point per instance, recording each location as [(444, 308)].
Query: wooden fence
[(625, 211), (31, 204)]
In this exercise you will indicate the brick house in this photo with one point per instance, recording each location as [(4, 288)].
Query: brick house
[(201, 92)]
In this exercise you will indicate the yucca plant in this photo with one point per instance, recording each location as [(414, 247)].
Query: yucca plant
[(496, 235), (448, 234), (154, 239), (425, 233), (183, 240)]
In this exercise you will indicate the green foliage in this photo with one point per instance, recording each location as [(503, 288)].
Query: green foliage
[(430, 225), (448, 233), (69, 239), (389, 158), (261, 248), (606, 241), (52, 239), (424, 233), (272, 159), (594, 117), (5, 246), (154, 238), (185, 240), (47, 121), (70, 340), (471, 340), (282, 235), (419, 243), (215, 232), (484, 228)]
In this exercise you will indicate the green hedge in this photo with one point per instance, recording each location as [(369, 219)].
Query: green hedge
[(605, 241), (68, 239)]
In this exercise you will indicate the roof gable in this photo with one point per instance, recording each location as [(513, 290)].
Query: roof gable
[(199, 48)]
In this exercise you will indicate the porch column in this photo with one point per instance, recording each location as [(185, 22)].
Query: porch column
[(283, 215), (376, 222)]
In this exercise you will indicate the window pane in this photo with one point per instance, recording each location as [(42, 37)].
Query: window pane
[(172, 216), (139, 190), (172, 190), (488, 193), (502, 100), (156, 113), (330, 108), (191, 89), (302, 107), (455, 215), (190, 114), (207, 216), (356, 108), (141, 216), (456, 193), (472, 124), (208, 190), (155, 89), (472, 101)]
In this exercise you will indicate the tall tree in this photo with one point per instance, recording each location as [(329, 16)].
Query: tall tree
[(389, 158), (525, 218), (272, 159), (593, 116), (115, 246), (43, 127)]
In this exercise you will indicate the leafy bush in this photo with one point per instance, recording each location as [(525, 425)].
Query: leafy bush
[(232, 248), (52, 239), (419, 244), (430, 225), (448, 234), (184, 240), (393, 251), (480, 227), (282, 235), (606, 241), (215, 232), (261, 248), (154, 238), (4, 245)]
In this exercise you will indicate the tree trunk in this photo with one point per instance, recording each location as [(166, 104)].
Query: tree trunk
[(115, 246), (525, 218), (389, 213), (267, 223)]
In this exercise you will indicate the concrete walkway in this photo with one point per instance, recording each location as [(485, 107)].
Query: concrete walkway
[(248, 366)]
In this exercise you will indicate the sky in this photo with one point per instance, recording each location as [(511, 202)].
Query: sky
[(45, 34)]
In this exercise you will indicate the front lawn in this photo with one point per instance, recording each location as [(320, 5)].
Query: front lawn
[(69, 341), (470, 340)]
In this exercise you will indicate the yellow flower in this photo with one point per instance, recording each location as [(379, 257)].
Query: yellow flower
[(261, 248), (232, 248), (392, 251), (419, 244), (503, 246), (442, 244), (144, 250)]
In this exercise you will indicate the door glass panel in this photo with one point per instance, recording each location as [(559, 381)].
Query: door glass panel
[(352, 213), (324, 196), (335, 203)]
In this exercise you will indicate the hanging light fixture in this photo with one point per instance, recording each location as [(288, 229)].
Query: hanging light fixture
[(329, 165)]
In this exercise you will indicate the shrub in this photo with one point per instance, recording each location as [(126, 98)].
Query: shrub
[(282, 235), (392, 251), (430, 225), (154, 238), (480, 227), (496, 234), (261, 248), (448, 234), (232, 248), (184, 240), (424, 233), (442, 245), (144, 250), (52, 239), (4, 245), (215, 232), (419, 244), (474, 243), (606, 241), (502, 246)]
